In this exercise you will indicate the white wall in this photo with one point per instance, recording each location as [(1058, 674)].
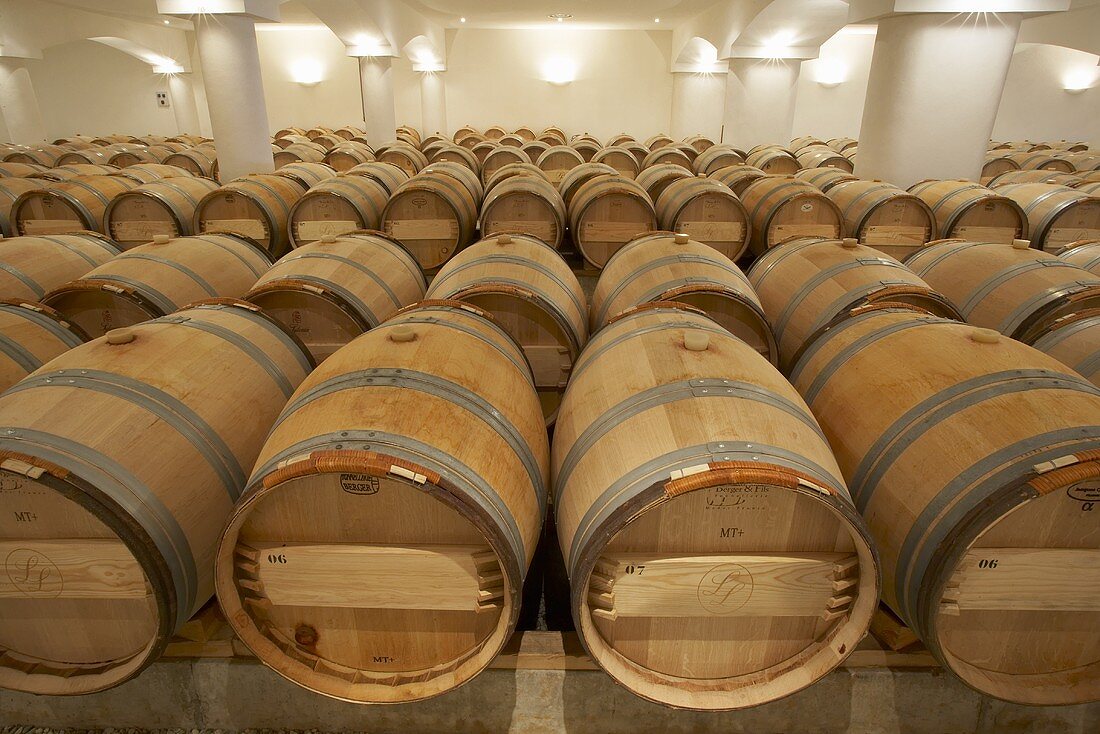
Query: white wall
[(88, 88), (1035, 105), (335, 101), (622, 84), (836, 112)]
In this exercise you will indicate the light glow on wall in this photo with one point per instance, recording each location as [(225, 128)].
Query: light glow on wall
[(1078, 80), (779, 45), (307, 72), (830, 72), (559, 70)]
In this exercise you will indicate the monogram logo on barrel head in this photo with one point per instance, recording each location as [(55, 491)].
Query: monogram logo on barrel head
[(33, 574), (725, 588)]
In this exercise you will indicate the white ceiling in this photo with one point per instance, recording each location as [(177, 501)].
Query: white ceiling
[(621, 14)]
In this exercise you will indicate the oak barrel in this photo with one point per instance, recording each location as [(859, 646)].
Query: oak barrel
[(823, 157), (668, 155), (10, 189), (433, 215), (619, 158), (674, 442), (672, 267), (1034, 176), (558, 160), (129, 457), (20, 170), (407, 158), (256, 207), (157, 279), (716, 157), (808, 284), (533, 295), (525, 205), (514, 169), (77, 170), (1074, 340), (656, 179), (883, 216), (782, 208), (330, 291), (386, 174), (348, 155), (145, 173), (500, 157), (31, 335), (708, 212), (995, 164), (1084, 254), (972, 458), (1057, 215), (337, 206), (737, 177), (774, 161), (971, 211), (572, 181), (606, 213), (31, 267), (1015, 289), (1034, 160), (307, 175), (418, 476), (67, 206), (165, 207), (199, 161), (824, 178)]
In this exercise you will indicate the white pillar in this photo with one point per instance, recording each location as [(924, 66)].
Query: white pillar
[(698, 102), (182, 97), (760, 96), (235, 94), (18, 103), (379, 114), (433, 102), (932, 97)]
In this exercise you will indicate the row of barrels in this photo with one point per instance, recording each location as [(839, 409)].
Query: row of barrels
[(1069, 146), (411, 464), (1072, 166)]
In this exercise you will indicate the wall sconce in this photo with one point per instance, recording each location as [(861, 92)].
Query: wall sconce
[(559, 71), (307, 72), (830, 74), (1078, 80)]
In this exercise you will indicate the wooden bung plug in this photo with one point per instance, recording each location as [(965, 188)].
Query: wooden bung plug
[(696, 341), (328, 238), (849, 242), (985, 336), (120, 336), (681, 238), (1021, 244), (402, 334), (161, 239), (504, 240)]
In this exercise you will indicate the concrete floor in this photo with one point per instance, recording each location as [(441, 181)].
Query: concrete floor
[(230, 695)]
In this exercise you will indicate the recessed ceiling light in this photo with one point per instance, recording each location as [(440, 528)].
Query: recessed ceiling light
[(167, 22), (560, 17), (461, 20), (656, 20)]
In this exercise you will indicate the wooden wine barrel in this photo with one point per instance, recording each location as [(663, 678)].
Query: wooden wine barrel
[(386, 174), (555, 133), (20, 170), (557, 161), (433, 215), (806, 141), (667, 155), (525, 133), (300, 152), (288, 131), (67, 206), (883, 216), (1057, 215), (995, 164), (511, 141), (701, 143), (318, 131), (335, 207), (285, 141), (332, 290), (1015, 289), (806, 285), (619, 158), (659, 140), (1032, 175), (586, 148), (1083, 162), (153, 280), (199, 161), (708, 212), (536, 148), (525, 205), (825, 178), (456, 154), (670, 597), (606, 213), (307, 175), (256, 207), (969, 211), (189, 139), (348, 155), (166, 207), (1084, 254), (31, 335), (95, 156), (469, 140), (347, 132), (459, 173), (129, 485), (737, 177), (782, 208), (483, 149), (1040, 160), (774, 161), (465, 131), (495, 132), (433, 142), (42, 155), (850, 153), (500, 157), (667, 267), (78, 170), (1092, 188), (514, 169), (656, 179), (407, 158), (1074, 340), (972, 457), (532, 293), (436, 520), (329, 141), (842, 144), (823, 157), (10, 190), (30, 267), (145, 173), (579, 176)]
